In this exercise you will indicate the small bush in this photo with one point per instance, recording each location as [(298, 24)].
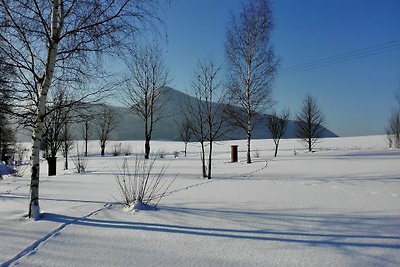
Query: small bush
[(20, 153), (21, 169), (256, 153), (143, 187), (80, 161), (117, 148), (126, 150), (161, 153)]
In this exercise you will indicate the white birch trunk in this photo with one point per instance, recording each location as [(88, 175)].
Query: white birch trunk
[(56, 26)]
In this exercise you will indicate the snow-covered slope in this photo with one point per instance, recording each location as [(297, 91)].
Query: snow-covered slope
[(339, 206)]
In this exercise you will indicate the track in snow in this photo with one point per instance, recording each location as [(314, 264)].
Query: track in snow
[(36, 244)]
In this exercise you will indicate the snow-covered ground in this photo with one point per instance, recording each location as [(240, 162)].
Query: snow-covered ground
[(339, 206)]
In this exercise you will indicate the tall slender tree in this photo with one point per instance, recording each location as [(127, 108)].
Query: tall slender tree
[(106, 122), (252, 65), (206, 114), (57, 41), (86, 129), (143, 94), (185, 132), (276, 125)]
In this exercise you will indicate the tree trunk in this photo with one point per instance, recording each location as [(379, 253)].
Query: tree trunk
[(52, 166), (209, 161), (248, 130), (185, 148), (103, 148), (203, 160), (86, 136), (66, 161), (86, 145), (248, 147), (34, 208), (276, 150), (309, 145), (147, 148)]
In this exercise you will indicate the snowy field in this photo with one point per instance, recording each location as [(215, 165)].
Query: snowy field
[(339, 206)]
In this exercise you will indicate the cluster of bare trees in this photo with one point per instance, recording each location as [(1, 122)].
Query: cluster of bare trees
[(310, 124), (56, 42), (252, 68), (7, 133)]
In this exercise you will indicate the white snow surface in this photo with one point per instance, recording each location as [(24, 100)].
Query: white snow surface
[(338, 206)]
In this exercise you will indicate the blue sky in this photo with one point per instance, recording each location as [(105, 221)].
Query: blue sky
[(356, 96)]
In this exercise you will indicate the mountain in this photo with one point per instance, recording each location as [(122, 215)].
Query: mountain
[(130, 127)]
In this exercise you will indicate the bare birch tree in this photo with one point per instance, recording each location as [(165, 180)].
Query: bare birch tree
[(106, 122), (143, 94), (276, 124), (206, 115), (185, 132), (57, 41), (310, 122), (252, 65)]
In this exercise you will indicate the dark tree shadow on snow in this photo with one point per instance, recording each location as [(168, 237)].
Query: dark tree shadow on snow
[(362, 233)]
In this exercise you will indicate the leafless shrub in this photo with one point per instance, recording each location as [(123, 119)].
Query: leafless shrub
[(393, 130), (21, 168), (161, 153), (117, 149), (126, 150), (256, 153), (143, 187), (80, 161)]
